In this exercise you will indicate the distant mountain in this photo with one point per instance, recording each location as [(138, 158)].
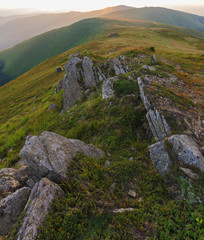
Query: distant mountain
[(162, 15), (22, 28), (27, 54)]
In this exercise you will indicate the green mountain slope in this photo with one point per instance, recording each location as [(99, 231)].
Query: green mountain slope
[(162, 15), (26, 55), (119, 127)]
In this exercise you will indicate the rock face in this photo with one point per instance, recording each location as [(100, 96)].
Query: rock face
[(11, 208), (158, 125), (37, 208), (184, 150), (49, 154), (12, 179), (107, 89), (118, 66), (79, 76), (89, 78)]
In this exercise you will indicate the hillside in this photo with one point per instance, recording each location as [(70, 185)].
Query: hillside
[(121, 195), (22, 28), (162, 15), (17, 60)]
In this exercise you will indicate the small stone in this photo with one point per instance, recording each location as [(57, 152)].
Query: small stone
[(189, 173), (107, 163), (52, 107), (155, 58), (112, 187), (122, 57), (140, 199), (132, 193), (131, 158), (121, 210)]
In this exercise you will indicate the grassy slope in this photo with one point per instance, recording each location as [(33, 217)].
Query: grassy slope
[(162, 15), (26, 55), (118, 128)]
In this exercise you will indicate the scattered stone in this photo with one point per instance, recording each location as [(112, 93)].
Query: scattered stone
[(122, 57), (53, 107), (121, 210), (132, 193), (59, 69), (107, 89), (155, 58), (150, 68), (131, 158), (189, 173), (37, 208), (107, 163), (140, 199), (113, 35), (49, 154), (11, 208)]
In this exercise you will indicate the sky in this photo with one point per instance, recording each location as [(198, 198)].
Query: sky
[(89, 5)]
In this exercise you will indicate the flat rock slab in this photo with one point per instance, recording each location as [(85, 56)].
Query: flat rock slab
[(49, 154), (11, 208), (38, 206)]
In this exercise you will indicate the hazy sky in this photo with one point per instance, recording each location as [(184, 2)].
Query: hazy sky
[(87, 5)]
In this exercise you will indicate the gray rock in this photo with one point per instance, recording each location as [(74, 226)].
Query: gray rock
[(160, 158), (132, 193), (37, 208), (59, 69), (131, 158), (11, 208), (89, 78), (121, 210), (150, 68), (187, 151), (70, 84), (184, 150), (155, 58), (107, 163), (122, 57), (158, 125), (118, 66), (52, 107), (12, 179), (49, 154), (189, 173), (107, 89), (113, 35)]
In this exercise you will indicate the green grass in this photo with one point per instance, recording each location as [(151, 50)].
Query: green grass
[(119, 127)]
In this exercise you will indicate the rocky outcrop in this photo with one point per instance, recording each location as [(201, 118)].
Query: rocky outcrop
[(37, 208), (118, 66), (11, 208), (49, 154), (12, 179), (80, 75), (107, 89), (179, 150), (158, 125)]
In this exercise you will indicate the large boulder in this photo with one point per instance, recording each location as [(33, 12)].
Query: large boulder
[(177, 150), (12, 179), (38, 206), (11, 208), (49, 154)]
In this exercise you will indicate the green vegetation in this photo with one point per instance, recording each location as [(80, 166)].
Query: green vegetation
[(119, 127)]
